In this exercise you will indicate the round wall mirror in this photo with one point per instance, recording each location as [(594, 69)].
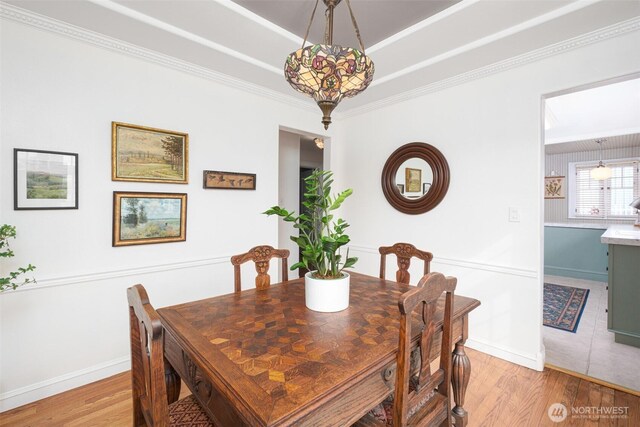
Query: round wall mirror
[(415, 178)]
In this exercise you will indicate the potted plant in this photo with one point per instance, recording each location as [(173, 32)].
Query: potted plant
[(11, 282), (321, 239)]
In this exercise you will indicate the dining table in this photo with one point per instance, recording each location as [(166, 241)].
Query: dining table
[(261, 358)]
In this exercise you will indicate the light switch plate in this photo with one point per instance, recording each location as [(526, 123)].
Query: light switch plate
[(514, 214)]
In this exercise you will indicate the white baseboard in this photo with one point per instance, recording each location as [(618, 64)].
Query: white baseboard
[(21, 396), (529, 361)]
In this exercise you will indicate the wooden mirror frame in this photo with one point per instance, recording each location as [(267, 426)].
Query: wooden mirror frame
[(439, 187)]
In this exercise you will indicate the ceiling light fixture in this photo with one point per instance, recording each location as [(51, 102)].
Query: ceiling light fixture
[(319, 142), (328, 72), (601, 172)]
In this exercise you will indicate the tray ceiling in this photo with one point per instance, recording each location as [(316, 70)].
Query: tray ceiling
[(414, 44)]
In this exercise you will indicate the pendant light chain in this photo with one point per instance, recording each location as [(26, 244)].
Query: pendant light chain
[(355, 26), (327, 18), (306, 34)]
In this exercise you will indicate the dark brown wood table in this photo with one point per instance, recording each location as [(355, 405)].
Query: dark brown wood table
[(261, 358)]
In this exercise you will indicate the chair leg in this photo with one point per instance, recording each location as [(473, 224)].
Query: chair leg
[(173, 382)]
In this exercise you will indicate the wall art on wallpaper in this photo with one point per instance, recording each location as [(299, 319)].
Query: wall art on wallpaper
[(229, 180), (554, 187), (44, 180), (413, 179), (144, 218), (144, 154)]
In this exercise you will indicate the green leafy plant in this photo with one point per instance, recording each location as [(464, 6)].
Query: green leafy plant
[(11, 282), (320, 235)]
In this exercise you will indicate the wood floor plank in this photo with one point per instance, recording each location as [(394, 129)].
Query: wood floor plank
[(607, 401), (500, 394)]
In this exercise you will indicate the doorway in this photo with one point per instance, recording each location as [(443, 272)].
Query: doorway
[(586, 127), (299, 154)]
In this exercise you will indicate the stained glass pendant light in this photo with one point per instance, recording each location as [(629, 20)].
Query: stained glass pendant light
[(328, 72), (601, 172)]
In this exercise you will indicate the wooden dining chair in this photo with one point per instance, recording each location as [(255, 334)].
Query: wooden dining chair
[(403, 252), (260, 255), (421, 397), (150, 400)]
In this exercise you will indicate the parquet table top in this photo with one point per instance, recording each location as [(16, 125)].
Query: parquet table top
[(278, 359)]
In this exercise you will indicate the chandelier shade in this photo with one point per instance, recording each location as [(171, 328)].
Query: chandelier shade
[(601, 172), (328, 72)]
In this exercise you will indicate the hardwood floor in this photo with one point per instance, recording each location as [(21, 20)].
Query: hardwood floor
[(499, 394)]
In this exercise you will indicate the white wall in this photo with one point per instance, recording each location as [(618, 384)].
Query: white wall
[(289, 191), (61, 94), (489, 131)]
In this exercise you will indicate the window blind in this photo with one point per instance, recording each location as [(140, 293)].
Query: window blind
[(609, 198)]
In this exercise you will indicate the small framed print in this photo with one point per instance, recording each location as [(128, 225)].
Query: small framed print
[(554, 187), (144, 154), (145, 218), (44, 180), (229, 180), (413, 179)]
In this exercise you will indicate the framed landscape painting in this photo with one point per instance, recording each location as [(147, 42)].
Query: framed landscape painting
[(44, 180), (144, 218), (145, 154), (413, 180), (229, 180)]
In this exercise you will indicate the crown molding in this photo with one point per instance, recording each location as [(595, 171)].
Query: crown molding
[(172, 29), (259, 20), (572, 7), (596, 36), (16, 14), (26, 17)]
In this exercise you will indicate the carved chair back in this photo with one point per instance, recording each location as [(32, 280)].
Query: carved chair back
[(150, 403), (260, 255), (423, 398), (403, 252)]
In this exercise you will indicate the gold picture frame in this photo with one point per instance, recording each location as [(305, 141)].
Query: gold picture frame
[(554, 187), (145, 154), (413, 180), (141, 218)]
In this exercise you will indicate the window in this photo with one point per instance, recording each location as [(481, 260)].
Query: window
[(610, 198)]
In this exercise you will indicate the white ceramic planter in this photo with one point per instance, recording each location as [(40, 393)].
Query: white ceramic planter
[(326, 295)]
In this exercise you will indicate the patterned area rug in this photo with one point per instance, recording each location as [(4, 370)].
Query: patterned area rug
[(563, 306)]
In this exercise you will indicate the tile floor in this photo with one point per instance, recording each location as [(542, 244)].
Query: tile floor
[(592, 350)]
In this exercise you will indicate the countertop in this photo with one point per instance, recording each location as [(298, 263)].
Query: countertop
[(622, 234)]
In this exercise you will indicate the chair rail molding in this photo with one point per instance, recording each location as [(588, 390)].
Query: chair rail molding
[(494, 268), (127, 272)]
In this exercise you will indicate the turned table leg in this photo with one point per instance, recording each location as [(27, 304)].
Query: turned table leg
[(173, 382), (461, 371)]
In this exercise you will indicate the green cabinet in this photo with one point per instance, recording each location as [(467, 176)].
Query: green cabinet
[(624, 293)]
